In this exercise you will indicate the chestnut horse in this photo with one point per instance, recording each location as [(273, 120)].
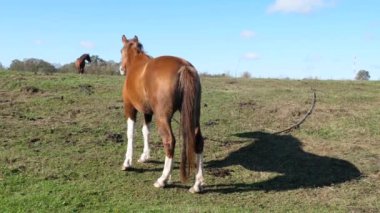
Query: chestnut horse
[(161, 86), (80, 62)]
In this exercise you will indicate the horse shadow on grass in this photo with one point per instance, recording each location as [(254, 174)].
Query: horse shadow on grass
[(282, 154)]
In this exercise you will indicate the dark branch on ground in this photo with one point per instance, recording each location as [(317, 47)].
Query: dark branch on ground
[(298, 124)]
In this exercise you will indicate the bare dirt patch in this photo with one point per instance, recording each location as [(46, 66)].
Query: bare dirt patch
[(212, 122), (30, 90), (219, 172), (249, 104), (87, 89), (114, 137)]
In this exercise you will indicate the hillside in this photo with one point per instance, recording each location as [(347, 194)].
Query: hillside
[(62, 143)]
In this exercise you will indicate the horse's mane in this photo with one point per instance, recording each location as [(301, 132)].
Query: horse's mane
[(86, 55), (140, 49)]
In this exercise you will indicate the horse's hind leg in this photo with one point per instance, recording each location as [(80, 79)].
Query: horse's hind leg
[(165, 130), (145, 130), (199, 180)]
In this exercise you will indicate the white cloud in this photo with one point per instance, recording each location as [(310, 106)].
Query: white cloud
[(299, 6), (251, 56), (87, 44), (247, 34)]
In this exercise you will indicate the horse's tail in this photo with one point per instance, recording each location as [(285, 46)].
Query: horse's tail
[(189, 85)]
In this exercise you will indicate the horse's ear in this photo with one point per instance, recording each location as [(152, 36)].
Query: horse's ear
[(136, 39), (124, 39)]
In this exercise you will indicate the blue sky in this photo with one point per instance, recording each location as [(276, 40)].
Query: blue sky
[(327, 39)]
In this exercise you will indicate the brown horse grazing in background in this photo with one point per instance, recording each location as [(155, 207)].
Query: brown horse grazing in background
[(80, 62), (161, 86)]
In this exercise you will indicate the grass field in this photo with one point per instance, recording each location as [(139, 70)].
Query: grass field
[(62, 143)]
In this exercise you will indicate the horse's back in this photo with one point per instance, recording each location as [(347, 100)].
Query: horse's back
[(161, 81), (164, 64), (164, 69)]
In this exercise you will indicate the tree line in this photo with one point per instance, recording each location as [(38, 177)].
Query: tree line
[(101, 66), (97, 66)]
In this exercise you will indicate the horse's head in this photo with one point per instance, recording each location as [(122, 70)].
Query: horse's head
[(131, 48), (88, 58)]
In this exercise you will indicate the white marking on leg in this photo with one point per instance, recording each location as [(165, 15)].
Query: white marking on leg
[(199, 180), (128, 155), (146, 151), (160, 183)]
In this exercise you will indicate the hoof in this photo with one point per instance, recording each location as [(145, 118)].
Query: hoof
[(126, 165), (195, 189), (159, 184), (143, 158), (125, 168)]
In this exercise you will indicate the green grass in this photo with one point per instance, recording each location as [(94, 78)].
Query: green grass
[(59, 153)]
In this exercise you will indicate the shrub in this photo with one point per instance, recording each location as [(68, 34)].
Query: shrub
[(33, 65), (363, 75), (246, 74)]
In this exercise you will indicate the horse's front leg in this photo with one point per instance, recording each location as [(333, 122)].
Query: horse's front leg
[(145, 130), (128, 155)]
